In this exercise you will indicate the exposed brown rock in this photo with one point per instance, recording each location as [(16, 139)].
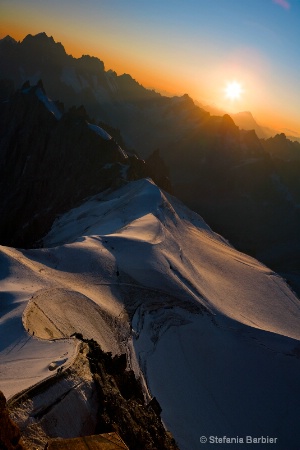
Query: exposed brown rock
[(122, 406), (9, 432), (107, 441)]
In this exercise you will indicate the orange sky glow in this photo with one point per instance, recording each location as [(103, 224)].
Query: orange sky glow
[(168, 59)]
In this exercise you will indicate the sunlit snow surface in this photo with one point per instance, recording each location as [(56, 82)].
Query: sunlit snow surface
[(215, 333)]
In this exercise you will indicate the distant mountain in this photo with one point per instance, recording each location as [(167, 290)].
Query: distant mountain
[(147, 119), (294, 138), (246, 121), (8, 40), (214, 110), (291, 134), (282, 148)]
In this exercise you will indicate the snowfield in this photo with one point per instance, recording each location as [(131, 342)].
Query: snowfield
[(214, 333)]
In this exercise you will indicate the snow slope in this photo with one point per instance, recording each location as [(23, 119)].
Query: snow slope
[(50, 105), (100, 132), (214, 332)]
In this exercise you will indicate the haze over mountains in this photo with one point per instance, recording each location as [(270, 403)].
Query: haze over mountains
[(88, 162), (243, 120)]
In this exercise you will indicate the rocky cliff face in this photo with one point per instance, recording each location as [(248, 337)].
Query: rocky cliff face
[(122, 406), (97, 394), (50, 161), (48, 164)]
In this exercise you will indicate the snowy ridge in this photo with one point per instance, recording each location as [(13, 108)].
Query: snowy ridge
[(100, 131), (107, 137), (50, 105), (214, 332)]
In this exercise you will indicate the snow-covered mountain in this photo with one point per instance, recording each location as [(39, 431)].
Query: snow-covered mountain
[(213, 333), (227, 174)]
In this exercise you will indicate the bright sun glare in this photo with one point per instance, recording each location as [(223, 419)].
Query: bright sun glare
[(233, 90)]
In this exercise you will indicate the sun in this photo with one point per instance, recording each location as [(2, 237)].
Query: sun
[(233, 90)]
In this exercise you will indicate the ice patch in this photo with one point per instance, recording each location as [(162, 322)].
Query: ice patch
[(50, 105), (58, 363), (100, 132), (124, 154)]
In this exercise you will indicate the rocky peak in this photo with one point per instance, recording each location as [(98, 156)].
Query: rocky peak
[(9, 40), (91, 64), (40, 38), (280, 147), (228, 125), (42, 46)]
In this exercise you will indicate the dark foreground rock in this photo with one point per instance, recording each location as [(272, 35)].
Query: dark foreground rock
[(122, 405), (95, 396), (107, 441), (9, 432)]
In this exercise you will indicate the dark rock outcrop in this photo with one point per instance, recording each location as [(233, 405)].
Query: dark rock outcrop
[(122, 406), (119, 404), (50, 162), (9, 432), (47, 165), (107, 441)]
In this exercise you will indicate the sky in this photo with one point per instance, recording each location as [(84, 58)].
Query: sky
[(183, 46)]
